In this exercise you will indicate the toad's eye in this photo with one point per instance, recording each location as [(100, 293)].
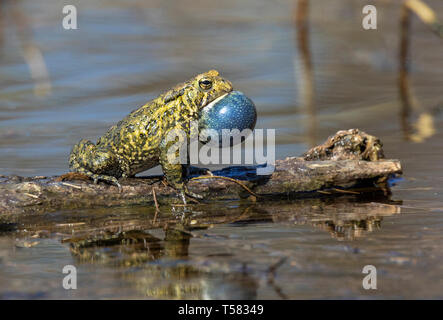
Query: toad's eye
[(205, 84)]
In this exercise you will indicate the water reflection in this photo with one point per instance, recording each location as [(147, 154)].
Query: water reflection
[(306, 79), (159, 268), (12, 15), (424, 126)]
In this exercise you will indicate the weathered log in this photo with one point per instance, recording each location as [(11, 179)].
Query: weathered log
[(348, 162)]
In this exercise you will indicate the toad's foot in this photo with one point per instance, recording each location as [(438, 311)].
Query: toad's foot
[(183, 193), (192, 194), (98, 177), (109, 179)]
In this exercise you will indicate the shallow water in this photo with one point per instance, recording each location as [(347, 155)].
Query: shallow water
[(125, 54)]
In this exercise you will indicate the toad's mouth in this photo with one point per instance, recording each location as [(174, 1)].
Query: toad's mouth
[(209, 105)]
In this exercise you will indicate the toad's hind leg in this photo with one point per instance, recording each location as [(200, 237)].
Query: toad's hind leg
[(96, 163)]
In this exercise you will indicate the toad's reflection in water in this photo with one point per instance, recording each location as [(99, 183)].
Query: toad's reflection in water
[(158, 263), (158, 268)]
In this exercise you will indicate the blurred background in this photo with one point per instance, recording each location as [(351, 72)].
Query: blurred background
[(58, 86), (311, 70)]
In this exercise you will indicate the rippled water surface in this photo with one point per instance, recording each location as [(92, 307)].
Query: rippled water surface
[(125, 53)]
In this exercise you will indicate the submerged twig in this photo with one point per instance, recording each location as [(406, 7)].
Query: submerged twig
[(156, 206)]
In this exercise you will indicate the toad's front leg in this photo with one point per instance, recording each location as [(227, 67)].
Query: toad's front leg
[(175, 170)]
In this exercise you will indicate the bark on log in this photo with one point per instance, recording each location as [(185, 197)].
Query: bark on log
[(351, 161)]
